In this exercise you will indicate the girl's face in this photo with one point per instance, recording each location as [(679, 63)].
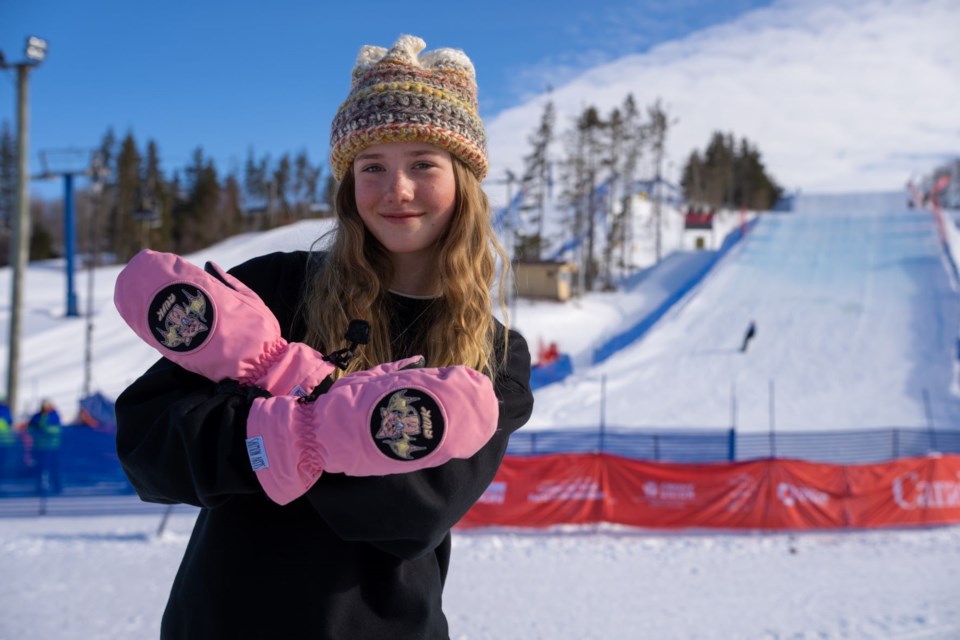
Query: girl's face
[(405, 194)]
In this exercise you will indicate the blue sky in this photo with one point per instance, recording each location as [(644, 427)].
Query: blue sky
[(230, 76)]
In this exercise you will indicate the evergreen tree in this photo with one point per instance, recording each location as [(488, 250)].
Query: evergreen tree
[(306, 180), (729, 174), (536, 181), (41, 242), (633, 141), (255, 176), (281, 183), (582, 169), (159, 198), (180, 214), (46, 222), (205, 199), (758, 190), (231, 213), (284, 192), (196, 211), (615, 144), (107, 151), (330, 192), (718, 170), (124, 229), (256, 184), (657, 129), (98, 225), (178, 201), (692, 181)]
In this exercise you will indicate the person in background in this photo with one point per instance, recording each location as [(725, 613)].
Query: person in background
[(548, 354), (8, 439), (326, 508), (44, 430), (748, 336)]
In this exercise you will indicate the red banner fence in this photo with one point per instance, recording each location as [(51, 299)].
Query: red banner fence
[(540, 491)]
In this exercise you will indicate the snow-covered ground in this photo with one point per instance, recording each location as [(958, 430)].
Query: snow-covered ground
[(855, 314), (73, 578)]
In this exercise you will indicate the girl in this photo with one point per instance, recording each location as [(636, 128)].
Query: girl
[(413, 254)]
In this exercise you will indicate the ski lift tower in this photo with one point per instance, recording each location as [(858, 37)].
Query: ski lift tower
[(35, 53), (67, 164), (505, 226)]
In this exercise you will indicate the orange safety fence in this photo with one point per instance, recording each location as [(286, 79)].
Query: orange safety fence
[(541, 491)]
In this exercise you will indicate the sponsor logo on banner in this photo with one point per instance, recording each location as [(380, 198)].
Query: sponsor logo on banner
[(791, 495), (910, 492), (669, 494), (585, 488), (743, 487), (496, 493)]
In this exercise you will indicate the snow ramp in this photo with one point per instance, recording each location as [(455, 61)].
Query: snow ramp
[(856, 329)]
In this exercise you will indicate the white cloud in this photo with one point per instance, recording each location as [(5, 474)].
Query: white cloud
[(839, 96)]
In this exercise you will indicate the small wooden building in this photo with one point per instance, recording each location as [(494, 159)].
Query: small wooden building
[(698, 230), (545, 279)]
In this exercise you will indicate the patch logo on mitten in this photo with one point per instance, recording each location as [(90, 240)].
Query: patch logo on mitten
[(407, 424), (181, 316)]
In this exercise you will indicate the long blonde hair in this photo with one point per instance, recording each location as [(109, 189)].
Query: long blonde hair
[(354, 279)]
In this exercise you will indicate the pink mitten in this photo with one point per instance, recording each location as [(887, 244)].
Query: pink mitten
[(213, 324), (391, 419)]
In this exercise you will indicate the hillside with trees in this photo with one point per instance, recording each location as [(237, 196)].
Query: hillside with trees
[(603, 163), (586, 174), (130, 202)]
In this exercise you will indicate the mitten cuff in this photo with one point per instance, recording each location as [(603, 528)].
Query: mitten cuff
[(283, 447), (289, 369)]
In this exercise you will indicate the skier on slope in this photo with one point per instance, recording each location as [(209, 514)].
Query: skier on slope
[(748, 336)]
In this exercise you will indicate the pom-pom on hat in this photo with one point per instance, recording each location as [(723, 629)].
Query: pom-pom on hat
[(401, 96)]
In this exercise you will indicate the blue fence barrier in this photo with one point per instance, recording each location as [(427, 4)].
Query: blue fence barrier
[(712, 445), (549, 373), (88, 464), (85, 464)]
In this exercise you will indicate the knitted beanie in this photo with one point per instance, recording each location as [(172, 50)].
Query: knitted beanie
[(396, 96)]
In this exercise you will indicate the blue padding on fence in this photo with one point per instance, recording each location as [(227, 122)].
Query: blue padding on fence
[(676, 446), (87, 461), (701, 445), (637, 331), (549, 373), (99, 411)]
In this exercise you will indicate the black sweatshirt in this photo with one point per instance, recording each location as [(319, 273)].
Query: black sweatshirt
[(354, 558)]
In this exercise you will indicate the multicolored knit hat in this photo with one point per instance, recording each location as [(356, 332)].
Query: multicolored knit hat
[(396, 96)]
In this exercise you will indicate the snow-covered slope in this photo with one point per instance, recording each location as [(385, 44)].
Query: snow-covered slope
[(856, 322)]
